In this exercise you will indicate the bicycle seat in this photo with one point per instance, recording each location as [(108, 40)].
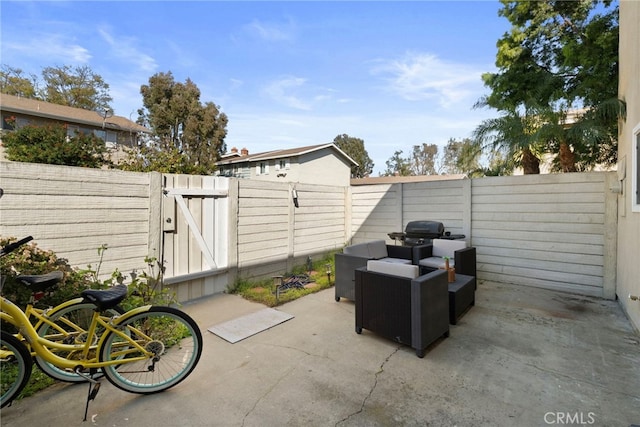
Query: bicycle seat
[(41, 282), (105, 299)]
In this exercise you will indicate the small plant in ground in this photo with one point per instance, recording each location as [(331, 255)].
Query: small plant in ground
[(264, 290), (147, 287)]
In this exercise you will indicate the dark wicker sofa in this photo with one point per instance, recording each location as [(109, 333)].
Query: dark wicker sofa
[(402, 306)]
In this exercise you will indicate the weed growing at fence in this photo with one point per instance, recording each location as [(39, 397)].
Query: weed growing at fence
[(265, 291)]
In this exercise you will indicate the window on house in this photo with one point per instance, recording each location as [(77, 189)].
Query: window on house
[(8, 122), (282, 164), (72, 131), (635, 183), (262, 168)]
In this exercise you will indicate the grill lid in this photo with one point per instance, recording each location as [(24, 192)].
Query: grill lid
[(428, 229)]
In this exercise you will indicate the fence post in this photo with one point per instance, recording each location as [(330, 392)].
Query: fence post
[(348, 212), (609, 273), (155, 217), (292, 228), (232, 241), (466, 209)]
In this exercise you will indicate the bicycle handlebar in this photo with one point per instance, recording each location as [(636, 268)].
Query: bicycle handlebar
[(15, 245)]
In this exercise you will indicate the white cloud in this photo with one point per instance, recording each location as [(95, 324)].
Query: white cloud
[(52, 47), (284, 91), (269, 31), (421, 76), (125, 49)]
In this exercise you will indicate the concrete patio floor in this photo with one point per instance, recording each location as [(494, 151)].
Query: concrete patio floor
[(519, 357)]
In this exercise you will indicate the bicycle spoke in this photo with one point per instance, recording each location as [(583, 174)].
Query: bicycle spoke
[(167, 344), (15, 368)]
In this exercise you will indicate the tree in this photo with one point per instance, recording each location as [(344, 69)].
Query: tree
[(50, 144), (13, 81), (77, 87), (560, 56), (184, 129), (461, 157), (354, 148), (397, 165), (515, 136), (423, 159)]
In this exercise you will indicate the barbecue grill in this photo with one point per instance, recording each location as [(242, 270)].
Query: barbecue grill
[(422, 232)]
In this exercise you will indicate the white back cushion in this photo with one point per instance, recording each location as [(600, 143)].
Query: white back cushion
[(444, 247), (402, 270)]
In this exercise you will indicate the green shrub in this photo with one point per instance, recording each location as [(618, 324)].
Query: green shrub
[(147, 287), (30, 259)]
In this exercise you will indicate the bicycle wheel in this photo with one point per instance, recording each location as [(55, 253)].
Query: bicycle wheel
[(170, 334), (71, 325), (15, 367)]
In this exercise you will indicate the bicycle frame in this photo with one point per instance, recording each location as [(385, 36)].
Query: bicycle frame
[(41, 346), (41, 316)]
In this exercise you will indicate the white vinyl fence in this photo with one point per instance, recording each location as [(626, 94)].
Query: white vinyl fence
[(552, 231), (74, 211)]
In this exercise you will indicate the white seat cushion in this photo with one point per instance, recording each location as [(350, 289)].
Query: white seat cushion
[(393, 269), (436, 262), (396, 260)]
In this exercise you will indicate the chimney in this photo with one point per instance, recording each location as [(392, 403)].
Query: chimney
[(234, 150), (244, 152)]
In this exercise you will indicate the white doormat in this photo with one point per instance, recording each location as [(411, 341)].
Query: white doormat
[(251, 324)]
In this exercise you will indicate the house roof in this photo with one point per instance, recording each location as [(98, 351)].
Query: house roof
[(37, 108), (401, 179), (234, 157)]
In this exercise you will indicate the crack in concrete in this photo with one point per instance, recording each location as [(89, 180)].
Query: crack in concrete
[(265, 394), (373, 387)]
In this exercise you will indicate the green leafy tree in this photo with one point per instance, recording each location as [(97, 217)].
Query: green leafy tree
[(515, 136), (13, 81), (397, 165), (185, 130), (560, 56), (461, 157), (423, 159), (77, 87), (354, 148), (50, 144)]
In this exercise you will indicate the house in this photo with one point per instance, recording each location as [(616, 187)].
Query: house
[(628, 190), (316, 164), (116, 131)]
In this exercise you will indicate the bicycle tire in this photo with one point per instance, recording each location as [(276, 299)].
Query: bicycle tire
[(15, 368), (75, 320), (170, 333)]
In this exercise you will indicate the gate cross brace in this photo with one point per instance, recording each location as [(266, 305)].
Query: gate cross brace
[(191, 222)]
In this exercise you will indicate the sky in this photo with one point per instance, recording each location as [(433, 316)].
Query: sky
[(287, 74)]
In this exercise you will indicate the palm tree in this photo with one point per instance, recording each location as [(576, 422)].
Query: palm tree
[(515, 135), (582, 138)]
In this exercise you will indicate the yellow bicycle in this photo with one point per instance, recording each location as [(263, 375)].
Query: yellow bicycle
[(145, 350), (67, 322)]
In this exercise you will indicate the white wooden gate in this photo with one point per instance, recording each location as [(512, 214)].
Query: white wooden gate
[(195, 214)]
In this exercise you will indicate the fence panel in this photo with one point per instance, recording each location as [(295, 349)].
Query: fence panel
[(74, 211), (386, 208), (545, 231), (553, 231)]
